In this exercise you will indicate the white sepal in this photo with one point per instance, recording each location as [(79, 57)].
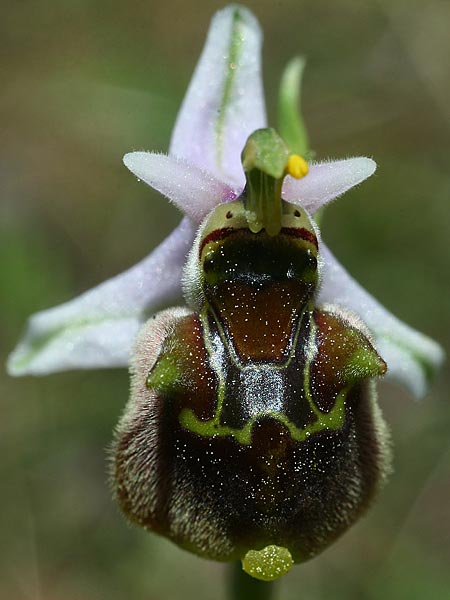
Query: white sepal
[(98, 328), (224, 103), (411, 357)]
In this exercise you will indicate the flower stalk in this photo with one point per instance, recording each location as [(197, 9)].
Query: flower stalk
[(243, 587)]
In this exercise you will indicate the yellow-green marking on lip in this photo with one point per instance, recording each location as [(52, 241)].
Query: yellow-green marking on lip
[(268, 564)]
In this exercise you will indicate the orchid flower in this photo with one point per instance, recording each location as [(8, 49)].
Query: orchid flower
[(223, 106)]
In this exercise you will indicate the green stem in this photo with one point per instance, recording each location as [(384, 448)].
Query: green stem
[(244, 587)]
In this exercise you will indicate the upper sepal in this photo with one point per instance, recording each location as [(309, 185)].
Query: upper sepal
[(224, 103)]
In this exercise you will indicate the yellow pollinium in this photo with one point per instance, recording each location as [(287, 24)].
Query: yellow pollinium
[(297, 166), (267, 564)]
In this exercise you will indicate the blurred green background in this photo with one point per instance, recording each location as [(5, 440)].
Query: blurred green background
[(83, 82)]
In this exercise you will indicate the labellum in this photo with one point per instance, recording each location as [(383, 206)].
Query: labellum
[(253, 430)]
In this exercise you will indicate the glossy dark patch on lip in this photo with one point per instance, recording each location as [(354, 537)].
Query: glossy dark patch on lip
[(224, 232)]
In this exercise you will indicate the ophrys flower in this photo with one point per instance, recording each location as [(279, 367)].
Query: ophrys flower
[(223, 107)]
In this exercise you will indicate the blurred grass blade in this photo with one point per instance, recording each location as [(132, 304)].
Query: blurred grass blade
[(290, 122)]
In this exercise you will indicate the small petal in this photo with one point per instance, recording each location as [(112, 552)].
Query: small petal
[(224, 103), (412, 357), (98, 328), (326, 181), (192, 190)]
